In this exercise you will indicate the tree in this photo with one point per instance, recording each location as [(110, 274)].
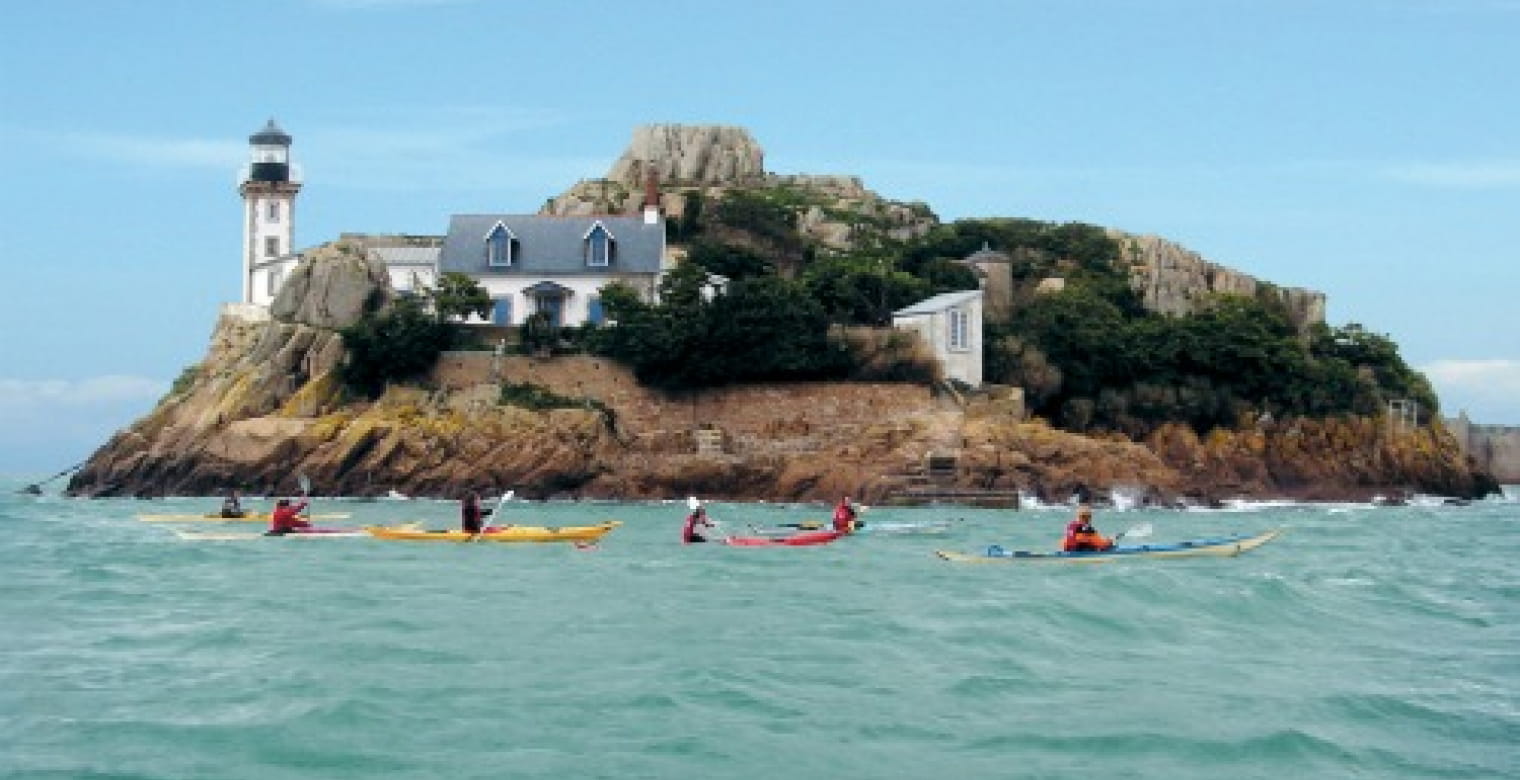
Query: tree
[(457, 296), (398, 343)]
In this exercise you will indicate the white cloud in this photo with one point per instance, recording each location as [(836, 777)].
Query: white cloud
[(1492, 174), (19, 394), (1488, 390), (407, 147), (158, 152)]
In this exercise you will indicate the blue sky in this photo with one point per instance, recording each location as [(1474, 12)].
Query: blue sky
[(1366, 148)]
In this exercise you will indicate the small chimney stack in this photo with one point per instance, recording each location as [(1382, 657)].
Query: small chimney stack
[(651, 194)]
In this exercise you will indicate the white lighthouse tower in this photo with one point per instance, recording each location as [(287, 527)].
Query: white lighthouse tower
[(269, 192)]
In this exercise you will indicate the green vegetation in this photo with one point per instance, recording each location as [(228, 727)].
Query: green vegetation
[(398, 343), (185, 379), (1087, 364), (760, 328), (457, 296)]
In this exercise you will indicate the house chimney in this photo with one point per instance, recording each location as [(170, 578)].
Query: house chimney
[(651, 195)]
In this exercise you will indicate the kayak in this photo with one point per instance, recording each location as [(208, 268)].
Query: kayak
[(1220, 546), (232, 536), (799, 539), (873, 527), (511, 533), (250, 517)]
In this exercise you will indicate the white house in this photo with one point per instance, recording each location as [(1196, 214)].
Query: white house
[(554, 264), (269, 184), (951, 324)]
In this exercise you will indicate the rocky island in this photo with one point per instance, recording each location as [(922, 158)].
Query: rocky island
[(268, 400)]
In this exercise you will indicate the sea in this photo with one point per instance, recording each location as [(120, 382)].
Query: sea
[(1365, 642)]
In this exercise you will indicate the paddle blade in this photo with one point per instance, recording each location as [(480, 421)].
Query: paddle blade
[(305, 483), (692, 503)]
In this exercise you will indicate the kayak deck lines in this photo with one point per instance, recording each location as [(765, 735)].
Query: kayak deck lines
[(251, 517), (1227, 546), (505, 534)]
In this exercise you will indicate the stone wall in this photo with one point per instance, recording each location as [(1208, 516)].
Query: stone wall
[(1495, 448), (753, 418)]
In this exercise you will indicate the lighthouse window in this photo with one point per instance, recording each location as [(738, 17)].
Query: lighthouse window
[(271, 246), (274, 211)]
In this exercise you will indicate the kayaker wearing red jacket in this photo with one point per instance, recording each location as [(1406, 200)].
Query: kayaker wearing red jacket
[(286, 516), (844, 516), (689, 532), (1080, 534)]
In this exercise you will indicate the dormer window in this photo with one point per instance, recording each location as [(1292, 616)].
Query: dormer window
[(599, 246), (499, 246)]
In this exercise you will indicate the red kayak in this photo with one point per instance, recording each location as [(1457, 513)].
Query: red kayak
[(800, 539)]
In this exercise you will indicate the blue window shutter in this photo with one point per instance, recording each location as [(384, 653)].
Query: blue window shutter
[(594, 311), (502, 314)]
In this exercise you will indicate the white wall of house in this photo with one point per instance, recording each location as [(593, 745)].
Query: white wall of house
[(954, 333), (411, 278), (266, 278), (577, 304)]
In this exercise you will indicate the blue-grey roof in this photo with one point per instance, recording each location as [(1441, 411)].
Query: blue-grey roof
[(551, 245), (939, 302), (405, 255)]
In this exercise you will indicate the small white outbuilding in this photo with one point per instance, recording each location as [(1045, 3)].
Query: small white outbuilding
[(951, 324)]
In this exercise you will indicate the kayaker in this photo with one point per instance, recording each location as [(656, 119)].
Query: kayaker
[(1080, 534), (472, 514), (844, 516), (286, 516), (231, 505), (689, 532)]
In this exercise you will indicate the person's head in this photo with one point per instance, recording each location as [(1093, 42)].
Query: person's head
[(700, 511), (1084, 512), (282, 502)]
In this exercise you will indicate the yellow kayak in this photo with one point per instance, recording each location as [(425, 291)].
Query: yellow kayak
[(511, 533), (249, 517)]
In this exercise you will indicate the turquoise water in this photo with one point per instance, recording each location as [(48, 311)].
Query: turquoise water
[(1366, 642)]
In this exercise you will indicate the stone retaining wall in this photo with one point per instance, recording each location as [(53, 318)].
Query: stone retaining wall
[(779, 417)]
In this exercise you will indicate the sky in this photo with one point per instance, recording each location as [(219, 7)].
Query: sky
[(1368, 149)]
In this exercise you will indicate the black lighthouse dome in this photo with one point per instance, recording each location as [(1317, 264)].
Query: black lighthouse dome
[(271, 154)]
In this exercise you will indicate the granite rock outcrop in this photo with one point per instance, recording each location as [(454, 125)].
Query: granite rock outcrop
[(1172, 279), (690, 162)]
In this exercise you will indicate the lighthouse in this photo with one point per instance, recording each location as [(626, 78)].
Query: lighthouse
[(269, 186)]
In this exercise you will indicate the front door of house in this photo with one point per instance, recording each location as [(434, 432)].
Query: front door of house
[(552, 305)]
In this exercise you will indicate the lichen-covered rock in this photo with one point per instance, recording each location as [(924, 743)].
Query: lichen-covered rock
[(1172, 279), (689, 154), (332, 287)]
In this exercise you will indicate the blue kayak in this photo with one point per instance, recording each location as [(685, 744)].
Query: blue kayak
[(1221, 546)]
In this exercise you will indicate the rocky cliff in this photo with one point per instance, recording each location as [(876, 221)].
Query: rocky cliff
[(1172, 279), (265, 405), (835, 212)]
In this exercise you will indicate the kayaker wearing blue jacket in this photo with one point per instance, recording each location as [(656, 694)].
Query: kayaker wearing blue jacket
[(1081, 536)]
